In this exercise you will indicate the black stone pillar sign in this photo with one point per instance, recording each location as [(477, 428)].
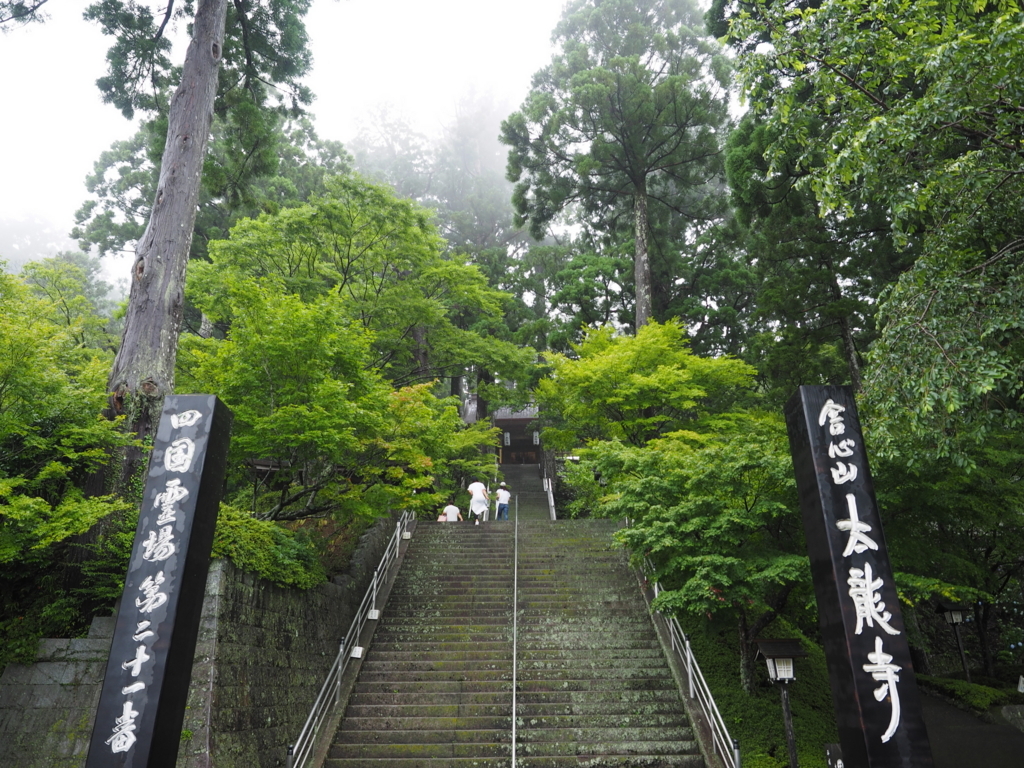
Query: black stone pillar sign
[(142, 704), (874, 689)]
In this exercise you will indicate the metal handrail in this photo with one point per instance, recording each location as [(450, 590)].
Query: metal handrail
[(549, 487), (724, 745), (329, 697)]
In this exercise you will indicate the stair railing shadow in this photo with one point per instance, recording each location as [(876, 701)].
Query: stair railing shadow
[(329, 698), (710, 723)]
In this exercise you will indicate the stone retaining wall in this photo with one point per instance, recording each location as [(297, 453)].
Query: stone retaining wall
[(262, 655)]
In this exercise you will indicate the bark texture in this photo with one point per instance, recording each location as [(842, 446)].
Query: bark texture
[(143, 371), (642, 258)]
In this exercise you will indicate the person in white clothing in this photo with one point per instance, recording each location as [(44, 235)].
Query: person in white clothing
[(479, 500), (503, 495), (450, 514)]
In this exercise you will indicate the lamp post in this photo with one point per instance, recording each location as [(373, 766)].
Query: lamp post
[(779, 655), (954, 615)]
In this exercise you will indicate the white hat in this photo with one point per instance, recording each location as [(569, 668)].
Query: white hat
[(501, 484)]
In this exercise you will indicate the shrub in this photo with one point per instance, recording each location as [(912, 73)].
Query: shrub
[(265, 548)]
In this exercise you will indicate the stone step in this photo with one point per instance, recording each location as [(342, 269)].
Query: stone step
[(419, 762), (450, 602), (534, 622), (619, 697), (432, 664), (438, 676), (607, 670), (361, 713), (595, 654), (431, 624), (590, 760), (459, 699), (435, 686), (413, 612), (661, 723), (405, 750), (580, 642), (421, 645), (669, 738), (568, 745), (448, 636), (652, 713), (425, 730), (386, 657), (598, 684)]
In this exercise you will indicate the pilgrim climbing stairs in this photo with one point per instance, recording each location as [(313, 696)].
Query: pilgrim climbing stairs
[(592, 686)]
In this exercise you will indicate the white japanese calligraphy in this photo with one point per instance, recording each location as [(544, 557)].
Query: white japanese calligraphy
[(133, 688), (843, 473), (883, 670), (186, 419), (173, 493), (135, 665), (832, 412), (157, 548), (124, 727), (843, 450), (154, 598), (142, 630), (869, 606), (178, 456), (858, 541)]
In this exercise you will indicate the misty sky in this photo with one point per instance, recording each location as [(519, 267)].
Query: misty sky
[(419, 56)]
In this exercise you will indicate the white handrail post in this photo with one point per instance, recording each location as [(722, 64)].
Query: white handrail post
[(373, 600), (689, 665), (736, 753), (341, 658)]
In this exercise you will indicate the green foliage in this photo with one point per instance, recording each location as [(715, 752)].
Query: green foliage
[(816, 275), (69, 285), (622, 128), (707, 486), (52, 436), (634, 388), (379, 256), (755, 720), (52, 439), (317, 430), (267, 549), (918, 102), (292, 164), (14, 13), (264, 52), (958, 320), (713, 513), (980, 698)]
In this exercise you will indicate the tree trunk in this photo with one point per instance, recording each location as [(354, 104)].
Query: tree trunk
[(143, 371), (845, 332), (982, 618), (641, 257), (748, 657)]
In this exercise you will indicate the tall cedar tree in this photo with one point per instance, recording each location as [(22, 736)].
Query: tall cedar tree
[(629, 113), (239, 52)]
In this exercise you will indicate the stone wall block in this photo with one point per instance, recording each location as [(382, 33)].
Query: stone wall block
[(261, 657)]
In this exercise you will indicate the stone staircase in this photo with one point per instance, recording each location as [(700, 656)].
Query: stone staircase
[(527, 491), (593, 687), (436, 686)]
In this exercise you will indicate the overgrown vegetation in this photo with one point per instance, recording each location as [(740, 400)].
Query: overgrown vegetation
[(859, 225)]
